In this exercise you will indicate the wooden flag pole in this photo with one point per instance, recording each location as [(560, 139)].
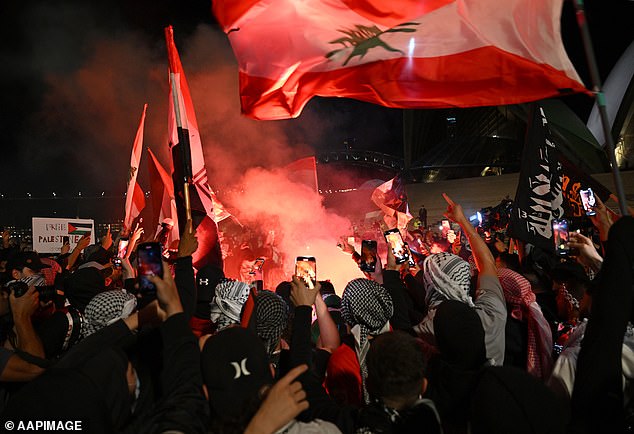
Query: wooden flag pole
[(601, 105), (183, 139)]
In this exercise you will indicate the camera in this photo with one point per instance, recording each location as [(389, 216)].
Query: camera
[(19, 288)]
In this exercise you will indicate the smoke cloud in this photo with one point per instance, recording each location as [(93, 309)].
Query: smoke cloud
[(271, 201), (93, 79)]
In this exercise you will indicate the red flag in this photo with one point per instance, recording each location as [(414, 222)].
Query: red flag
[(397, 53), (185, 144), (304, 171), (163, 201), (135, 199)]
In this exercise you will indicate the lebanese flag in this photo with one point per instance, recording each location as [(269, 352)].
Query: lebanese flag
[(201, 196), (134, 197), (163, 201), (396, 53)]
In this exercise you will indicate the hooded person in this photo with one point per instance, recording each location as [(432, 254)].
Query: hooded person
[(523, 309), (237, 377), (26, 267), (448, 277), (453, 372), (528, 406), (226, 304), (106, 308), (235, 369), (83, 285), (366, 307), (271, 319), (207, 278)]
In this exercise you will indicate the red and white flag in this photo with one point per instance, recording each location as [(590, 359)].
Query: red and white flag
[(391, 198), (397, 53), (163, 201), (201, 196), (134, 198), (304, 171)]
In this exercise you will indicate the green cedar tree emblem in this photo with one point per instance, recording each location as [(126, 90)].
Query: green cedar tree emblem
[(363, 38)]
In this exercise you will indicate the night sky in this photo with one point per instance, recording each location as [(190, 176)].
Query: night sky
[(76, 73)]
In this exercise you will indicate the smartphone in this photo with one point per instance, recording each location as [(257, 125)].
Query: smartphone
[(306, 268), (65, 240), (588, 200), (560, 235), (150, 263), (368, 256), (116, 263), (395, 241), (122, 248), (257, 266)]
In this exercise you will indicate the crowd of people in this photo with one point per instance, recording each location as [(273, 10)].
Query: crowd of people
[(476, 335)]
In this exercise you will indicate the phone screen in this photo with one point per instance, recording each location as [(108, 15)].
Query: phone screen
[(588, 201), (123, 247), (368, 256), (395, 241), (150, 263), (560, 235), (306, 268)]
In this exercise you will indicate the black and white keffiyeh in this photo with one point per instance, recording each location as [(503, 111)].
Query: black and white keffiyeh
[(107, 308), (446, 277), (227, 303), (367, 307), (271, 316)]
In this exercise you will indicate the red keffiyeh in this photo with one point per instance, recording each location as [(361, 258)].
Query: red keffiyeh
[(518, 294)]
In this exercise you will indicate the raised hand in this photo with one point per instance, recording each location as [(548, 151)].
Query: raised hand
[(454, 211), (106, 241), (284, 401), (301, 294), (587, 254), (166, 292)]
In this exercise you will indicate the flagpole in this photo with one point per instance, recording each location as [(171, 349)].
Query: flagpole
[(186, 157), (601, 104)]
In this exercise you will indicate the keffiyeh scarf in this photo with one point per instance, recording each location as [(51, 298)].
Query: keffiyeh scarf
[(524, 307), (367, 307), (271, 319), (227, 303), (446, 277), (107, 308)]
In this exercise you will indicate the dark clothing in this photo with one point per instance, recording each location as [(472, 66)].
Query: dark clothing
[(402, 303), (419, 419), (182, 407), (515, 342), (95, 392), (597, 399), (186, 284)]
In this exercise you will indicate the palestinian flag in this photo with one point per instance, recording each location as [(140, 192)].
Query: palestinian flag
[(76, 228)]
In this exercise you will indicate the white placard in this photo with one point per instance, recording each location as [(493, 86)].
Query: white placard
[(49, 233)]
